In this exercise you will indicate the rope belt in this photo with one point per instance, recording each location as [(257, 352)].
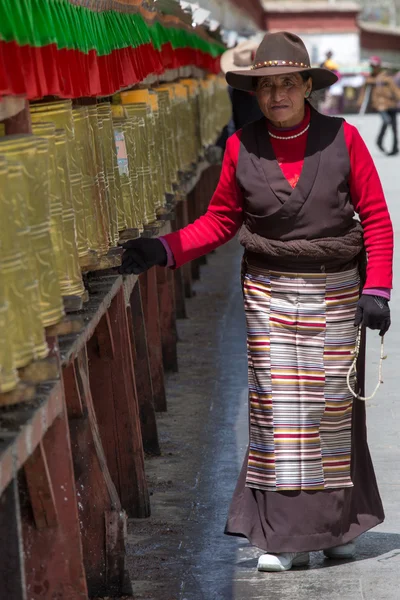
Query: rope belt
[(353, 368)]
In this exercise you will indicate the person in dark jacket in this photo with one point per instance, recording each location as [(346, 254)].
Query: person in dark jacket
[(245, 108)]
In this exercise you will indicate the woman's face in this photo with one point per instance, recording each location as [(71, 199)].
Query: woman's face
[(281, 98)]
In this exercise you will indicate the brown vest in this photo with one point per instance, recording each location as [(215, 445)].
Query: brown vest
[(318, 207)]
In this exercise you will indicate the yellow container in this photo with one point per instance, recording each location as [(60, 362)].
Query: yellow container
[(60, 113), (109, 151), (76, 287), (100, 177), (24, 292), (48, 131), (9, 259), (125, 139), (33, 153), (85, 150)]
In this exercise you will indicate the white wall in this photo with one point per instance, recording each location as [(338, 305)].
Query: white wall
[(345, 47)]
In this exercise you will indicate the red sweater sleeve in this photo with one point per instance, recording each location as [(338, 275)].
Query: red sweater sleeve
[(222, 219), (370, 204)]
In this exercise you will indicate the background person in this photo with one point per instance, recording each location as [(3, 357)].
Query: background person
[(290, 184), (245, 107), (385, 96)]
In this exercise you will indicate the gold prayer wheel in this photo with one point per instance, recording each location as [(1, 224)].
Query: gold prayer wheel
[(76, 287), (24, 286), (163, 98), (48, 131), (100, 176), (60, 113), (33, 153), (158, 149), (8, 259), (15, 273), (136, 104), (107, 141), (166, 96), (93, 206), (133, 197)]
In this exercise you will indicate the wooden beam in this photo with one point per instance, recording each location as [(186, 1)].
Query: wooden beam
[(40, 488), (96, 496), (115, 400), (53, 555), (141, 364), (12, 571), (149, 293), (73, 394), (169, 338)]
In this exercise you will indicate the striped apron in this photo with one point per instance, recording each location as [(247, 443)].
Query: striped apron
[(301, 339)]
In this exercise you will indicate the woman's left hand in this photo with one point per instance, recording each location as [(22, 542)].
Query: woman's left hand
[(373, 312)]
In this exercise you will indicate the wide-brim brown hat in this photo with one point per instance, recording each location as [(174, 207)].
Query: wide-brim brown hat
[(240, 57), (278, 54)]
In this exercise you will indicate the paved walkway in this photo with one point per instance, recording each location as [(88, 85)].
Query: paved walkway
[(181, 552)]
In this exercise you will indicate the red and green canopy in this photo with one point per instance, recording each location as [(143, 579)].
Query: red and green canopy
[(71, 48)]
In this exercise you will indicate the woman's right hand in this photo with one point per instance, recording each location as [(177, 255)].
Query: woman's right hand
[(142, 254)]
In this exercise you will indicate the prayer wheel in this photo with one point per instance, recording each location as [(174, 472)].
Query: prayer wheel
[(33, 153), (121, 170), (137, 104), (76, 287), (129, 178), (166, 96), (60, 113), (23, 286), (162, 139), (96, 220), (10, 261), (107, 141), (48, 131), (157, 176)]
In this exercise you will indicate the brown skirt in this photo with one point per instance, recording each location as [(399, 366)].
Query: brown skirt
[(308, 521)]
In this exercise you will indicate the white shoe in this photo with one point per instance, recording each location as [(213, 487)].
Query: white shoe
[(344, 551), (283, 561)]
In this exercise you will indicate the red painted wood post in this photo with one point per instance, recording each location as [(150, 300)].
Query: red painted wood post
[(149, 292), (112, 383), (169, 338), (182, 219), (102, 520), (141, 362), (53, 553), (12, 568), (179, 285)]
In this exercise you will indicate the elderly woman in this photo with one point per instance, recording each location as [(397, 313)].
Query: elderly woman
[(290, 184)]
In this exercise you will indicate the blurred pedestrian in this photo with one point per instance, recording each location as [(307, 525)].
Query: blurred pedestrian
[(384, 96), (331, 102), (245, 108)]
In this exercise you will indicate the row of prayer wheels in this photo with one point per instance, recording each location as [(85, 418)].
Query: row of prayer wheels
[(87, 177)]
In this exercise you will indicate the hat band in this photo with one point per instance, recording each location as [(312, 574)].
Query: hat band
[(279, 63)]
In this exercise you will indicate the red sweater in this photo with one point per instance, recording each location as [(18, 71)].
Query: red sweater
[(225, 212)]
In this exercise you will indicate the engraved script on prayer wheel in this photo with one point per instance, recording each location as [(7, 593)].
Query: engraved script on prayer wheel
[(33, 153), (109, 152), (76, 286), (60, 113), (8, 373), (47, 130), (97, 236), (25, 297)]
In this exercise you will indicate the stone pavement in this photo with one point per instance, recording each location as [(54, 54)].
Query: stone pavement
[(181, 552)]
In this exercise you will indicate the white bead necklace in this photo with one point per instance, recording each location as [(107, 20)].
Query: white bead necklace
[(289, 137)]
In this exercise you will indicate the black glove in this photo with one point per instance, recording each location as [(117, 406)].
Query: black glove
[(373, 312), (142, 254)]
